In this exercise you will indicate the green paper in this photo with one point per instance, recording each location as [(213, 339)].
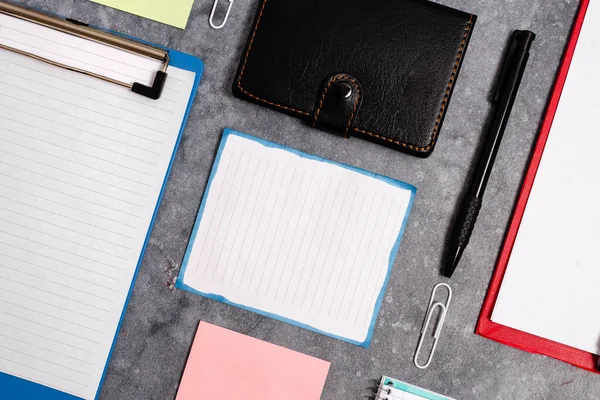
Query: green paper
[(170, 12)]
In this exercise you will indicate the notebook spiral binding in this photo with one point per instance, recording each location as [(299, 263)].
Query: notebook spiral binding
[(84, 31), (383, 392)]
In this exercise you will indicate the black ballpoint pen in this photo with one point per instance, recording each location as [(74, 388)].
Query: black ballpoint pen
[(504, 99)]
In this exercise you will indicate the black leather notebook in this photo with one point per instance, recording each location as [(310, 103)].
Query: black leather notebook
[(380, 70)]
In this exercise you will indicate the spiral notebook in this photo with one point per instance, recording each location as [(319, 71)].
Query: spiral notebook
[(83, 162), (296, 237), (392, 389)]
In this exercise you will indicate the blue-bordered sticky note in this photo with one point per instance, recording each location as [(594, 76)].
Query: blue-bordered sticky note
[(392, 389), (296, 237)]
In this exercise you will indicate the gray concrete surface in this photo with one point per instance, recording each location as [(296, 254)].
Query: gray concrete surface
[(155, 338)]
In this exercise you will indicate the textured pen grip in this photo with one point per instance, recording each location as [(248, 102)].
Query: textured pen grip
[(469, 217)]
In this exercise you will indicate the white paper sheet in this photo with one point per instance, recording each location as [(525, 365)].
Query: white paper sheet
[(82, 162), (302, 239), (552, 284)]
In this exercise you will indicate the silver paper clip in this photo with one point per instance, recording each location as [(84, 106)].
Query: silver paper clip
[(212, 15), (439, 324)]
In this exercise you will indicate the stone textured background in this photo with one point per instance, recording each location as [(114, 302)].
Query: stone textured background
[(160, 323)]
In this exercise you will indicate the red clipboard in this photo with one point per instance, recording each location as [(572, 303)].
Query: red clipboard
[(503, 334)]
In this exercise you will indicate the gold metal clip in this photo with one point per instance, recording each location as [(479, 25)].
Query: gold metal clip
[(83, 31)]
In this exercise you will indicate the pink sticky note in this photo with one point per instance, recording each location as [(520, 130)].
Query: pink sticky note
[(228, 365)]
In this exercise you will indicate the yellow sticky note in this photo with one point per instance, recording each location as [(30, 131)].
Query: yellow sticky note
[(171, 12)]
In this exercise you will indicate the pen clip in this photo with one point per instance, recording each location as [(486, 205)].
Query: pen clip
[(505, 68)]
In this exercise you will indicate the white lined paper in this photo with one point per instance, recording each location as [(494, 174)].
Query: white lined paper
[(550, 287), (82, 163), (299, 238)]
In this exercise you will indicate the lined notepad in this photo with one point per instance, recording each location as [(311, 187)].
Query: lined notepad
[(296, 237), (82, 163)]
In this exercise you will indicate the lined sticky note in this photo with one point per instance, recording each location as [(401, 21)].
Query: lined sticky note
[(296, 237), (228, 365), (170, 12)]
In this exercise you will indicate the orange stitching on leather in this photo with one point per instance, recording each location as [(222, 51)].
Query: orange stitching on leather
[(273, 104), (353, 111), (438, 119), (337, 78), (239, 81), (331, 82)]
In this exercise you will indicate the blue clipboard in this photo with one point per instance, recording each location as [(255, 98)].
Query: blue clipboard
[(12, 387), (392, 257)]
